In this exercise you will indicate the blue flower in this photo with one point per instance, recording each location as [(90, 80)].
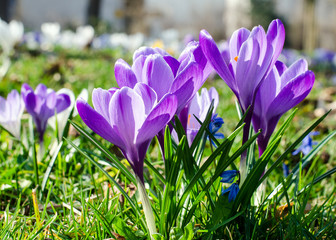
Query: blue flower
[(307, 144), (228, 176), (285, 169), (232, 190), (214, 125)]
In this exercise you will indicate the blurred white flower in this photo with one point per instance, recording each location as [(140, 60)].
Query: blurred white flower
[(66, 39), (51, 34), (16, 30), (84, 35), (79, 39), (127, 42), (10, 35)]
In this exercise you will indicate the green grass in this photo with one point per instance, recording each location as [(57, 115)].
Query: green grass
[(81, 197)]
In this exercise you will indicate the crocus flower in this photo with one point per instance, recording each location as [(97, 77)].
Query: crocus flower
[(164, 74), (198, 108), (62, 118), (42, 104), (129, 118), (232, 190), (283, 89), (11, 112), (307, 144), (251, 55)]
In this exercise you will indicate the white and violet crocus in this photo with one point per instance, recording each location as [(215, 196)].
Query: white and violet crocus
[(11, 110)]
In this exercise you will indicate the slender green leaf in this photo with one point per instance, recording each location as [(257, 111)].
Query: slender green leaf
[(105, 151), (133, 205), (50, 166), (292, 146)]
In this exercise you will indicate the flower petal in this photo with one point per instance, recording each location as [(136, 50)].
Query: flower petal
[(276, 37), (147, 94), (297, 68), (158, 118), (127, 114), (157, 74), (292, 94), (124, 74), (236, 41), (101, 99), (97, 123), (214, 56), (247, 69)]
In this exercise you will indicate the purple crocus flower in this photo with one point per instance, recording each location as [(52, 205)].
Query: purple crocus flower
[(283, 89), (11, 112), (199, 107), (129, 118), (249, 58), (43, 104), (164, 74)]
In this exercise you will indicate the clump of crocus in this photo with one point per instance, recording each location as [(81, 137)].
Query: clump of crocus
[(130, 118), (244, 64), (247, 60), (42, 104), (11, 111), (154, 67), (228, 177)]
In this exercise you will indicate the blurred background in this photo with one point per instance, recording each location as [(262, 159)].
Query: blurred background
[(310, 24)]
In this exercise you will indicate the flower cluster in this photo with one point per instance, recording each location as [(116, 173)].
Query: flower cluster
[(41, 104), (157, 86)]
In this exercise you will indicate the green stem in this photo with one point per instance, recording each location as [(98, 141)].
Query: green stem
[(35, 165)]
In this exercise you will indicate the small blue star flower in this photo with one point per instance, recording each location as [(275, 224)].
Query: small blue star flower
[(232, 190), (307, 144), (228, 176), (214, 125)]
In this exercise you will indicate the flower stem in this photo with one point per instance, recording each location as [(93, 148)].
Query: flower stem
[(146, 207)]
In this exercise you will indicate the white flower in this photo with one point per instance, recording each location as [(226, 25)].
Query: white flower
[(10, 35), (51, 34)]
